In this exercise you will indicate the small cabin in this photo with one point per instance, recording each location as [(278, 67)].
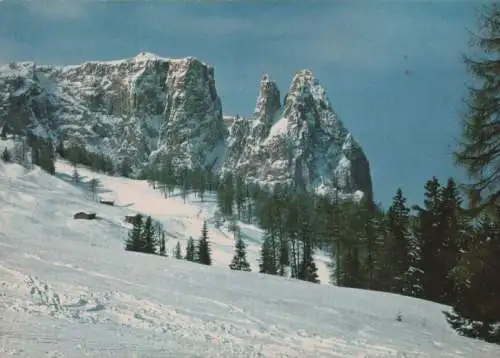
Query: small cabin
[(107, 202), (131, 219), (84, 216)]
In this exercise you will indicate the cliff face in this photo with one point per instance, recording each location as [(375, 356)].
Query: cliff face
[(301, 142), (147, 107)]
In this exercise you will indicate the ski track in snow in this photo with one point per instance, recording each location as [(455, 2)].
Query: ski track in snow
[(69, 289)]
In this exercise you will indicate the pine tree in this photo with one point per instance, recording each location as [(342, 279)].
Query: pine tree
[(267, 263), (125, 167), (178, 251), (204, 250), (308, 270), (429, 241), (239, 195), (76, 176), (20, 152), (162, 249), (3, 134), (134, 240), (45, 156), (185, 184), (371, 214), (6, 156), (453, 226), (479, 147), (148, 237), (94, 185), (239, 261), (476, 312), (397, 250), (61, 150), (191, 250)]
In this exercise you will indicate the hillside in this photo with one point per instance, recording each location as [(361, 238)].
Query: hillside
[(69, 289)]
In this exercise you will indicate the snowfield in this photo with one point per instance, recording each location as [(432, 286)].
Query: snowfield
[(69, 289)]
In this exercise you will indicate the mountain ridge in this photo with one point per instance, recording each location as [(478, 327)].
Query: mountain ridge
[(147, 107)]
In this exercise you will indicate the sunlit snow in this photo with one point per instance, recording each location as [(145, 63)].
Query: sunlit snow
[(69, 289)]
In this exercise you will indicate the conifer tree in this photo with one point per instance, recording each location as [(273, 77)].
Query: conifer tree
[(204, 250), (202, 185), (148, 237), (476, 312), (191, 250), (308, 270), (6, 156), (397, 258), (267, 262), (454, 226), (134, 241), (93, 185), (178, 251), (429, 241), (370, 214), (76, 176), (61, 150), (125, 167), (239, 261), (479, 147), (3, 134), (20, 152), (162, 249), (239, 195)]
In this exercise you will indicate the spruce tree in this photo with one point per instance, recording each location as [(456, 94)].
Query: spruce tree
[(93, 187), (267, 262), (178, 251), (239, 195), (476, 312), (125, 167), (308, 270), (204, 250), (429, 241), (454, 225), (190, 250), (76, 176), (45, 156), (134, 241), (397, 250), (148, 237), (3, 134), (479, 146), (61, 150), (239, 261), (162, 249), (6, 156)]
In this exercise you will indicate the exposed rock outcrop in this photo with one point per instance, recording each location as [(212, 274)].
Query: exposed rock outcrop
[(148, 107)]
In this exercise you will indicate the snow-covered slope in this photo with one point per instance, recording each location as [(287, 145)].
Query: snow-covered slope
[(147, 106), (69, 289)]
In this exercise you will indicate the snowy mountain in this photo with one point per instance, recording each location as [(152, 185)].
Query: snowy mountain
[(302, 142), (69, 289), (147, 106)]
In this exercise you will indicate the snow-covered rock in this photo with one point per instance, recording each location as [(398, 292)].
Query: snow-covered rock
[(305, 143), (146, 107)]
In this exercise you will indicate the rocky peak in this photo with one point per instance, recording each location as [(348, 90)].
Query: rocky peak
[(306, 145), (193, 130), (268, 101), (147, 107)]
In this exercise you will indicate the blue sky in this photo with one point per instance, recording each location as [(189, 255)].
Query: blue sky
[(360, 51)]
